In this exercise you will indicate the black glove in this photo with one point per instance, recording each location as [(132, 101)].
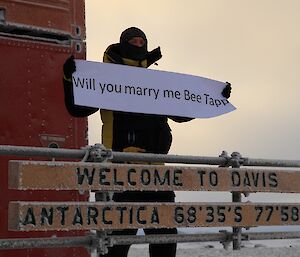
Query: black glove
[(69, 67), (153, 56), (227, 90), (157, 53)]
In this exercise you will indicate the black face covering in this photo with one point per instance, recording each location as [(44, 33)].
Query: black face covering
[(130, 51)]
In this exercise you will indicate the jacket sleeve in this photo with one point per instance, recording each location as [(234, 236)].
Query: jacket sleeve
[(75, 110), (180, 119)]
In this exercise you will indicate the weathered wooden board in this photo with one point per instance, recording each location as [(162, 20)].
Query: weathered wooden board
[(25, 175), (36, 216)]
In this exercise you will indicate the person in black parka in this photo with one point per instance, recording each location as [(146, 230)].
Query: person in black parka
[(132, 132)]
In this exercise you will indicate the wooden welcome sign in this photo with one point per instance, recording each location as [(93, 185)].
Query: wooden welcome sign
[(42, 216), (27, 216), (24, 175)]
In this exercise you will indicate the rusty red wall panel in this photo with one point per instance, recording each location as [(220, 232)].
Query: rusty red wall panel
[(32, 100), (61, 15), (32, 110)]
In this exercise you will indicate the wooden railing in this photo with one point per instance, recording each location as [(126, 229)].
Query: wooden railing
[(104, 177)]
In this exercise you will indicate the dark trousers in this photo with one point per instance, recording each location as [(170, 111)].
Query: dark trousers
[(155, 250)]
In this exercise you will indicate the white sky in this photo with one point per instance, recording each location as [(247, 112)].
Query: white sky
[(254, 44)]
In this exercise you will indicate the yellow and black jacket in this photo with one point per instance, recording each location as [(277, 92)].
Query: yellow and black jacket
[(123, 129)]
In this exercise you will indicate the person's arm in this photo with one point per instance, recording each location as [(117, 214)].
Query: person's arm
[(74, 110)]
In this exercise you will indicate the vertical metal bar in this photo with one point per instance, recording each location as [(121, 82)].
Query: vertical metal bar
[(236, 231), (98, 153), (235, 162)]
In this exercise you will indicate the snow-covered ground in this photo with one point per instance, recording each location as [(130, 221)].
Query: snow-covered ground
[(265, 248)]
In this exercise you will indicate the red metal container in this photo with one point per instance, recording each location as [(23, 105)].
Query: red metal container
[(36, 37), (60, 16)]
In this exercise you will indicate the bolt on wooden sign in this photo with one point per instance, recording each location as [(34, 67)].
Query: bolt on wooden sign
[(25, 175), (42, 216)]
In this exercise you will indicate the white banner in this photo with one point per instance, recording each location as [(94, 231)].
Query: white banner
[(132, 89)]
